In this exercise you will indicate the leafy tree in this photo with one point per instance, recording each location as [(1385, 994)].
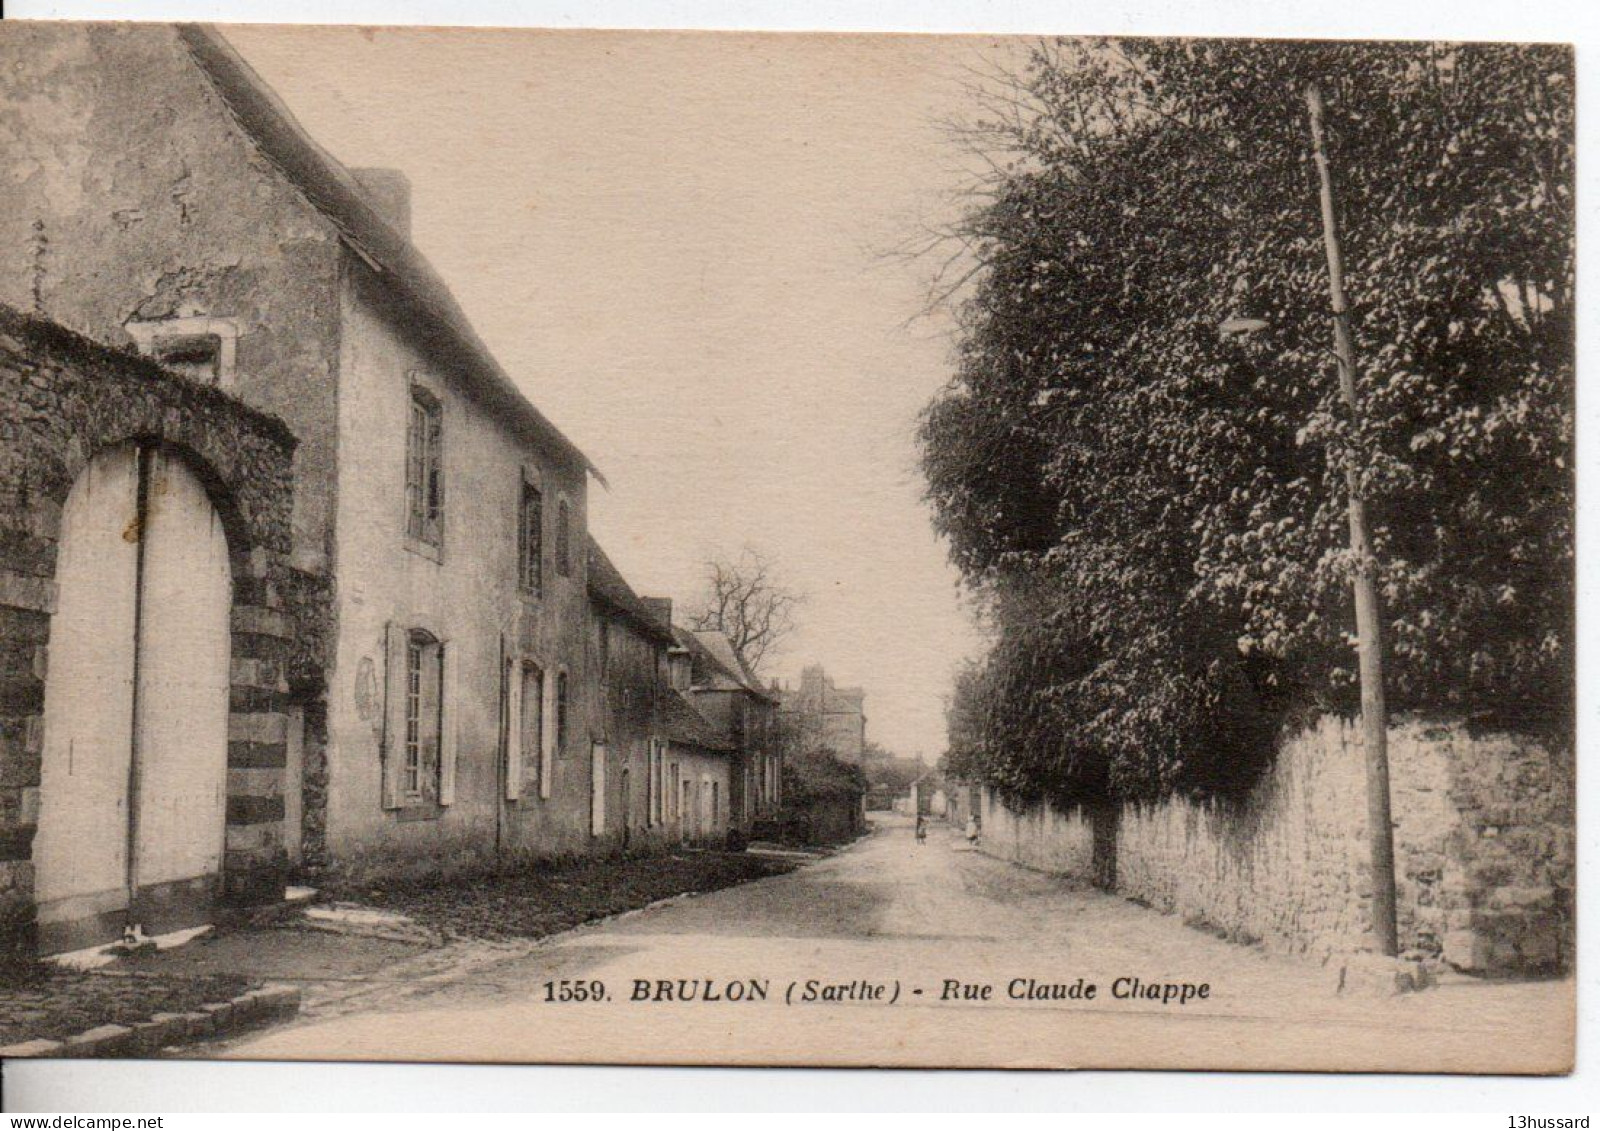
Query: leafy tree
[(1157, 506), (819, 775)]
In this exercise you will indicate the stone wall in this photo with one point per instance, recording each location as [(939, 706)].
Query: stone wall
[(1484, 847), (64, 399), (131, 194)]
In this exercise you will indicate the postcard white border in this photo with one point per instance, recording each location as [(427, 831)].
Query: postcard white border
[(174, 1086)]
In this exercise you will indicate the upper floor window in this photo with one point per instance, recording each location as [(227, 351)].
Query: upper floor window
[(201, 348), (198, 356), (531, 539), (564, 539), (424, 471)]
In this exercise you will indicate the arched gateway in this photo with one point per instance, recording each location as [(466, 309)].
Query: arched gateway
[(156, 645), (133, 775)]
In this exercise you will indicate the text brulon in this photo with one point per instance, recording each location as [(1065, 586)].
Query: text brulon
[(824, 991)]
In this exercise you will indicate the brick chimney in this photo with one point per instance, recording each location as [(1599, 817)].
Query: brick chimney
[(660, 609), (389, 191)]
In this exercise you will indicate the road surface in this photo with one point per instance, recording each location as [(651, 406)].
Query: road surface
[(894, 953)]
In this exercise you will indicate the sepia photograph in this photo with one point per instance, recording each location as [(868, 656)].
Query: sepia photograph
[(787, 549)]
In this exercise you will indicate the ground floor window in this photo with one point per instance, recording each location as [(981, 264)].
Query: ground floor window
[(422, 704), (418, 747)]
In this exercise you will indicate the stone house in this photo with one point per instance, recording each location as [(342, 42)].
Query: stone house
[(159, 198), (706, 669), (149, 614), (819, 716), (700, 769), (667, 773)]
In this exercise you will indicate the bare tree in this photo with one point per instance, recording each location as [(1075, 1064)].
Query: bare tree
[(746, 598)]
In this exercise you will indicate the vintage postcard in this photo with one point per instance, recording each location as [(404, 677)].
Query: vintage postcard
[(786, 549)]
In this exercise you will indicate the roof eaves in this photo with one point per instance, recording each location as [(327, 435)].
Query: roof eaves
[(610, 588), (333, 191)]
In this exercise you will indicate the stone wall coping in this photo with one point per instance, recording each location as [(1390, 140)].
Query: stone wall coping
[(59, 345)]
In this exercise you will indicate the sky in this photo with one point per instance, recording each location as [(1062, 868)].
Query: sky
[(679, 244)]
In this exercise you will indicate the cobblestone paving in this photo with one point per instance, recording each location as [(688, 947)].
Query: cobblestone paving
[(52, 1003)]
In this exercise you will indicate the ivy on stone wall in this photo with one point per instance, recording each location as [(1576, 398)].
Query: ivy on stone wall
[(1153, 503)]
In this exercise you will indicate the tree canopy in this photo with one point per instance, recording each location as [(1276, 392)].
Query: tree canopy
[(746, 598), (1155, 505)]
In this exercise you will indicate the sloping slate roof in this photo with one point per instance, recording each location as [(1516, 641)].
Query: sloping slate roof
[(607, 585), (717, 665), (721, 647), (337, 195), (709, 672), (677, 721)]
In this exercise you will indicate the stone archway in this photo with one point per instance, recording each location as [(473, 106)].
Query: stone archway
[(67, 402)]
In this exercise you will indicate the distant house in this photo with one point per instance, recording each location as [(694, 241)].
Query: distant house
[(744, 714), (158, 197), (819, 716), (700, 767), (662, 772)]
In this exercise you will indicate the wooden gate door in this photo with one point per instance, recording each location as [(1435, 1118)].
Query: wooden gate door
[(134, 767), (181, 715), (80, 852)]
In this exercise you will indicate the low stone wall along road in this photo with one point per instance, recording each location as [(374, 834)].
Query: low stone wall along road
[(894, 953)]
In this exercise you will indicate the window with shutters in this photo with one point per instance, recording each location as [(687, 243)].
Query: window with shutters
[(424, 470), (419, 731), (528, 748), (531, 540)]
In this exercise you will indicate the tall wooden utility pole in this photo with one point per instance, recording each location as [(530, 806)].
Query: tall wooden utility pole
[(1369, 629)]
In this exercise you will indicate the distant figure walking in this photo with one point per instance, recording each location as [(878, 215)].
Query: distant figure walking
[(922, 828), (974, 830)]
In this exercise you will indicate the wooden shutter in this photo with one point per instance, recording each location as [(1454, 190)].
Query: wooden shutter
[(597, 789), (513, 751), (661, 781), (651, 789), (535, 696), (392, 749), (429, 721), (449, 663)]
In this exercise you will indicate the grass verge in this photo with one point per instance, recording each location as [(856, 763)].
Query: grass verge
[(533, 899)]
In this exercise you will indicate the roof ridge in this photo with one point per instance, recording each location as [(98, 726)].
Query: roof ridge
[(333, 191)]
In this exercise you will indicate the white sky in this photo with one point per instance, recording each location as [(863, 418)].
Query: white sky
[(675, 243)]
